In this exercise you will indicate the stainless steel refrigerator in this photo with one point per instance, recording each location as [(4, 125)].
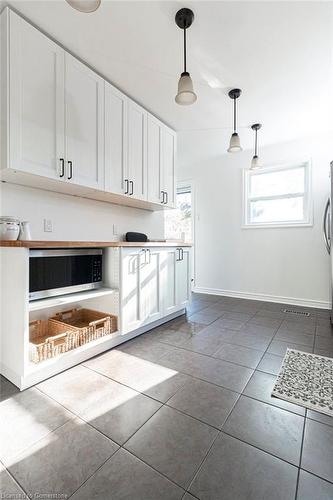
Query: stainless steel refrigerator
[(328, 230)]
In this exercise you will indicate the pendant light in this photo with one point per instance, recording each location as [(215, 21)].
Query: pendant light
[(234, 146), (84, 5), (255, 160), (186, 95)]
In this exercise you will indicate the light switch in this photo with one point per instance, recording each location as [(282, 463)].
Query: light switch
[(48, 226)]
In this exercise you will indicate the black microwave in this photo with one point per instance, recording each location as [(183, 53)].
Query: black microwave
[(61, 271)]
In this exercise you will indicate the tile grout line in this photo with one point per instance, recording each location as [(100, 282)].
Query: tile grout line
[(300, 457)]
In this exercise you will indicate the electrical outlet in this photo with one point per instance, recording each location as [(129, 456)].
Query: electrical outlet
[(48, 226)]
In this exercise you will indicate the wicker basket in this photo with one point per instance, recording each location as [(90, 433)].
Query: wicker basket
[(90, 325), (48, 339)]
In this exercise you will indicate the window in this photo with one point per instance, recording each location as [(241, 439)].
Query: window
[(278, 196), (178, 222)]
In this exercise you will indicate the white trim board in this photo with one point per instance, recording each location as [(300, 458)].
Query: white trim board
[(321, 304)]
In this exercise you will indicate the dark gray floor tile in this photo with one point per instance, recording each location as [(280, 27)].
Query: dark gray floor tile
[(313, 488), (271, 429), (279, 347), (110, 407), (236, 471), (27, 417), (173, 443), (145, 347), (317, 456), (270, 364), (239, 354), (216, 371), (8, 486), (328, 353), (324, 331), (204, 401), (126, 477), (264, 321), (7, 389), (196, 306), (239, 316), (319, 417), (324, 342), (298, 326), (250, 340), (204, 344), (172, 337), (260, 387), (259, 330), (205, 317), (132, 371), (295, 337), (231, 324), (165, 389), (63, 460), (267, 313)]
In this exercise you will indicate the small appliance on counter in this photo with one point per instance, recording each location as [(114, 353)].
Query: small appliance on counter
[(9, 228), (134, 237), (25, 231)]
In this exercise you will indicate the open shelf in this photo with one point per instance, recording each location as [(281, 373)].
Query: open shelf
[(37, 305)]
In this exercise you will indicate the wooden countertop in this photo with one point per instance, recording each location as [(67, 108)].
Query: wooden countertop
[(89, 244)]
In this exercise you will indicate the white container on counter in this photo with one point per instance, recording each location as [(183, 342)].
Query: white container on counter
[(25, 233), (9, 228)]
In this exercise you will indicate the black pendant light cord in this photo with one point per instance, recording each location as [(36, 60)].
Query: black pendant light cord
[(184, 50), (235, 115), (256, 143)]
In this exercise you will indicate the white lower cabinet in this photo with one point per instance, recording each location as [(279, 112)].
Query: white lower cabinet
[(154, 283)]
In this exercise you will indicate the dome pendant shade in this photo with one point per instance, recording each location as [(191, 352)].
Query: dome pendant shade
[(84, 5), (234, 145), (255, 163), (255, 160), (186, 94)]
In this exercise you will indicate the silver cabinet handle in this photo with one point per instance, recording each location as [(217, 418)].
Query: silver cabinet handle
[(148, 251), (326, 226), (166, 197), (162, 193), (62, 167), (70, 165), (131, 183), (126, 186)]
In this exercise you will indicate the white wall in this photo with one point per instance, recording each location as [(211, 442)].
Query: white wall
[(76, 218), (285, 264)]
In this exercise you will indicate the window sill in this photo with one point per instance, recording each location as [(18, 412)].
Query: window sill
[(279, 225)]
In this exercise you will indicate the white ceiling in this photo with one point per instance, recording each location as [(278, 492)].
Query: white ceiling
[(278, 53)]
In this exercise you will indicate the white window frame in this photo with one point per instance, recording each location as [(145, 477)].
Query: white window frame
[(308, 201)]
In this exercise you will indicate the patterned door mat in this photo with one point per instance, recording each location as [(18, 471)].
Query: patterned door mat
[(306, 380)]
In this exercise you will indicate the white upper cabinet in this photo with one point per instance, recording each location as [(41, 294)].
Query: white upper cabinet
[(84, 124), (168, 165), (115, 139), (154, 159), (36, 119), (62, 122), (136, 180)]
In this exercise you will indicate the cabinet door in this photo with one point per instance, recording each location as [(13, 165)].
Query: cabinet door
[(84, 129), (36, 80), (115, 139), (131, 262), (154, 157), (169, 157), (168, 281), (150, 286), (137, 151), (183, 286)]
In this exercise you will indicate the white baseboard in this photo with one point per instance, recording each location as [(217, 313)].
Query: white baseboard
[(321, 304)]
